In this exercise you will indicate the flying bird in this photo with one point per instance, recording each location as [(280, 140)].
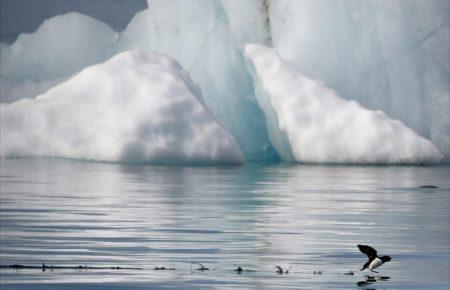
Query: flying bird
[(374, 261)]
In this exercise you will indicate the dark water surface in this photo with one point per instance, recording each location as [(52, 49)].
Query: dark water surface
[(305, 218)]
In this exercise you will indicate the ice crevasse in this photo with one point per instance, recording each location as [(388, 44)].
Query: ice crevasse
[(138, 107), (309, 122)]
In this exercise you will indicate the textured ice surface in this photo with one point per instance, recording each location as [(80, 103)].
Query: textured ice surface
[(60, 47), (206, 40), (136, 107), (311, 123), (198, 33), (391, 56)]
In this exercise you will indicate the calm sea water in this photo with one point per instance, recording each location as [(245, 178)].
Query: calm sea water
[(304, 218)]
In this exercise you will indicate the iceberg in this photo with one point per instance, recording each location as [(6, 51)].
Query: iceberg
[(138, 107), (200, 35), (310, 123), (61, 47), (390, 56)]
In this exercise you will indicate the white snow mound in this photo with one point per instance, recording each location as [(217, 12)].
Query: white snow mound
[(136, 107), (309, 122)]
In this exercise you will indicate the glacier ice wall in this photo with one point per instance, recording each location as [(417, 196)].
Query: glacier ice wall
[(62, 46), (311, 123), (200, 34), (391, 56), (136, 107)]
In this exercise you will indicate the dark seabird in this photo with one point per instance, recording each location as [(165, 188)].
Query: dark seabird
[(239, 270), (202, 268), (429, 186), (280, 270), (374, 261)]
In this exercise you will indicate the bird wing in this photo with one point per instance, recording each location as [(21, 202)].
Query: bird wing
[(366, 265), (368, 250)]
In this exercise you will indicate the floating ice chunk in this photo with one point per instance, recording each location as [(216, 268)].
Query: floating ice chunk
[(62, 46), (136, 107), (308, 122)]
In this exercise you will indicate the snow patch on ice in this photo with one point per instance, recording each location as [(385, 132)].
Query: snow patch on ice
[(309, 122), (136, 107)]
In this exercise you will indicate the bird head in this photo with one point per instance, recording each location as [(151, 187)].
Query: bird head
[(385, 259)]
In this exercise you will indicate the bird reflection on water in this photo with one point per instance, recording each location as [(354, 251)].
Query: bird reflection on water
[(370, 280)]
